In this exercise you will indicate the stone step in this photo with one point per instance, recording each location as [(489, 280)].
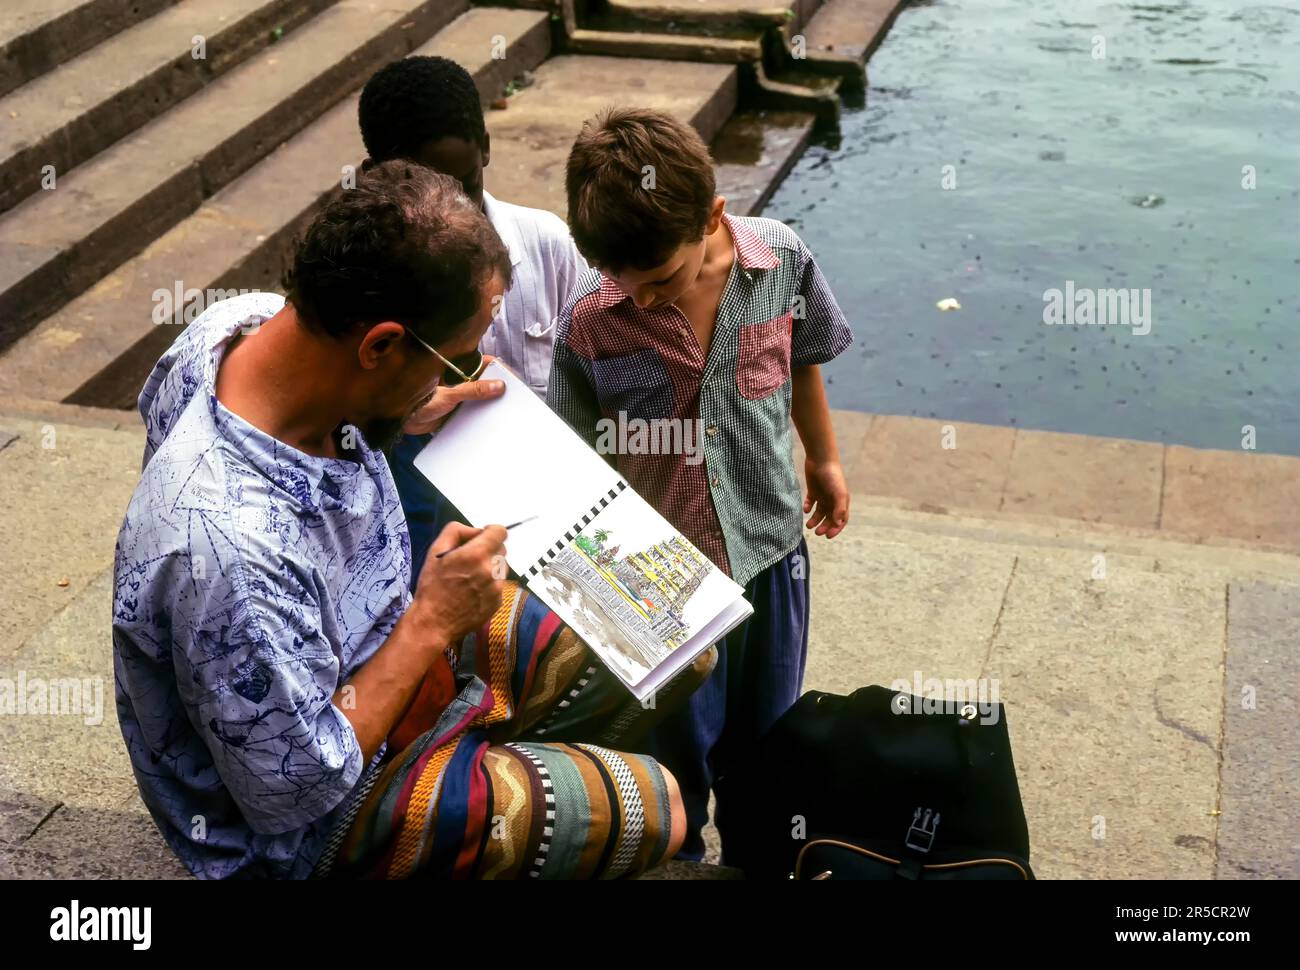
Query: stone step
[(754, 151), (471, 39), (66, 116), (91, 353), (58, 243), (220, 246), (1192, 494), (38, 35), (843, 34), (673, 47), (696, 16), (887, 518), (796, 89), (532, 137), (103, 343)]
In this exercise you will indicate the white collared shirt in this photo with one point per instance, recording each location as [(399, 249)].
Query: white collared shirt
[(546, 265)]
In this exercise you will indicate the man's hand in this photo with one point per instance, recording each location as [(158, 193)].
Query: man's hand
[(828, 498), (446, 399), (456, 594), (459, 592)]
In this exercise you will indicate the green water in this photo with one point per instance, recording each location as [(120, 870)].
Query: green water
[(1124, 171)]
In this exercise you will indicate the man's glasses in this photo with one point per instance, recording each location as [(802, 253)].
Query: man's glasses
[(461, 370)]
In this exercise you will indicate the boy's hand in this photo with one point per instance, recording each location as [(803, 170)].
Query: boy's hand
[(828, 498), (447, 399)]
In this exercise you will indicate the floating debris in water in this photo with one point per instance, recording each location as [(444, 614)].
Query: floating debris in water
[(1232, 70), (948, 303), (1147, 201), (1051, 156)]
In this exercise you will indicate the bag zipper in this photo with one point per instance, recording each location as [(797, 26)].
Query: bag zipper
[(898, 862)]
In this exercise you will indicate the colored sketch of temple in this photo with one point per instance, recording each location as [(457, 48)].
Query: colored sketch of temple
[(656, 582)]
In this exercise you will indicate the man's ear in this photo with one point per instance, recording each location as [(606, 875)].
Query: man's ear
[(380, 342), (487, 149)]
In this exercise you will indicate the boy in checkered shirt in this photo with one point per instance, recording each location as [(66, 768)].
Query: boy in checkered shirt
[(717, 323)]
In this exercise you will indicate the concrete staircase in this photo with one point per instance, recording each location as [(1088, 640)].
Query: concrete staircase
[(185, 144)]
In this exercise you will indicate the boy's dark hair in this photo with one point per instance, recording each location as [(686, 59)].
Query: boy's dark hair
[(616, 222), (404, 245), (415, 100)]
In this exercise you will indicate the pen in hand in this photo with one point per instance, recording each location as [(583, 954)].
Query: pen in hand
[(507, 528)]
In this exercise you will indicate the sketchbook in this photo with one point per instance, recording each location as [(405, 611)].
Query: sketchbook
[(617, 572)]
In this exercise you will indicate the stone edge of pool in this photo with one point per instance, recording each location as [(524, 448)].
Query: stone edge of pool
[(1246, 498), (1190, 494)]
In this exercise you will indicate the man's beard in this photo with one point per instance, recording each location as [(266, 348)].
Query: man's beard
[(383, 434)]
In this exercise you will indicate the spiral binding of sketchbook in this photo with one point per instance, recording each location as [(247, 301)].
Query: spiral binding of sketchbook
[(578, 526)]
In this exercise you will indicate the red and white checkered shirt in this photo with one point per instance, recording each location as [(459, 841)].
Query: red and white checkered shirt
[(741, 504)]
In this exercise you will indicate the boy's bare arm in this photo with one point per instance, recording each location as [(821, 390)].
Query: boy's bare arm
[(827, 502)]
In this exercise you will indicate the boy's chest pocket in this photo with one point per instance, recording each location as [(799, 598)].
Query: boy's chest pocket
[(763, 357), (635, 384)]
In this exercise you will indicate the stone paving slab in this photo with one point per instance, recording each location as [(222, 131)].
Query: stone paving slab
[(908, 457), (1259, 834), (1244, 494), (1114, 694), (1079, 477), (64, 489), (1221, 560), (1114, 687), (885, 607), (75, 757), (21, 815), (80, 843), (1193, 493)]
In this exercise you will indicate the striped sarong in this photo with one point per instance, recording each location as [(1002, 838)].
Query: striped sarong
[(524, 774)]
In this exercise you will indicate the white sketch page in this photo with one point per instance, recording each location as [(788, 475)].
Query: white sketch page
[(512, 457)]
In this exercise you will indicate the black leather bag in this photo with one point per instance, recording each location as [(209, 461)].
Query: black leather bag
[(877, 785)]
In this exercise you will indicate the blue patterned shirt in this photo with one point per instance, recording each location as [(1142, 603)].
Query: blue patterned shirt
[(250, 581)]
